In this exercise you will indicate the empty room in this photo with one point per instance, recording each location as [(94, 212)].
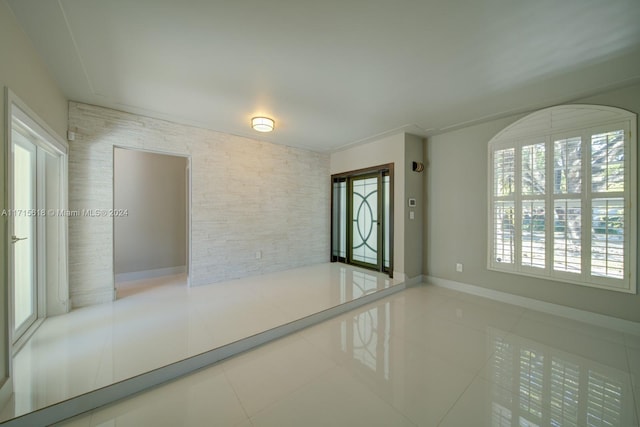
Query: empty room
[(346, 213)]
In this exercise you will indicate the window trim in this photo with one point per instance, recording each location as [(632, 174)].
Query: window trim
[(550, 125)]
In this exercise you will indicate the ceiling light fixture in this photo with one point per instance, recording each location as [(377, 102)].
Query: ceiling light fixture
[(262, 124)]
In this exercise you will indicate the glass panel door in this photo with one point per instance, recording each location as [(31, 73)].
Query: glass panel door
[(362, 218), (386, 219), (339, 221), (365, 216), (23, 234)]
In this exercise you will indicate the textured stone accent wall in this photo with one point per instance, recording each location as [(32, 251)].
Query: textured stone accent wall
[(246, 196)]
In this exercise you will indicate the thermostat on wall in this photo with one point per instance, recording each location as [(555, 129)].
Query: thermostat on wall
[(412, 203)]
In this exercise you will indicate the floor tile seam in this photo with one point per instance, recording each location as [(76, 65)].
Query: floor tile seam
[(250, 355), (441, 309), (402, 414), (373, 391), (486, 366), (392, 404), (628, 340), (627, 352), (235, 393), (515, 324), (324, 352), (479, 376), (326, 321), (92, 415), (500, 307), (447, 298), (406, 337), (205, 322), (333, 363), (441, 420), (441, 358), (482, 329), (291, 392), (103, 352), (634, 394), (278, 309), (457, 323)]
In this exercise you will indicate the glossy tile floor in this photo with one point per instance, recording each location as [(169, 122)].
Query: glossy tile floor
[(426, 356), (160, 321)]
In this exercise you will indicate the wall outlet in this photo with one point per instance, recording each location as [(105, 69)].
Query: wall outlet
[(412, 215), (258, 254), (459, 267)]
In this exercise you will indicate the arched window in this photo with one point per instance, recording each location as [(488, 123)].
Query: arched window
[(562, 196)]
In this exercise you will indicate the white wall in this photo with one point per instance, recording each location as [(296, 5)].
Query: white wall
[(383, 151), (23, 72), (151, 187), (456, 218), (247, 196), (57, 293)]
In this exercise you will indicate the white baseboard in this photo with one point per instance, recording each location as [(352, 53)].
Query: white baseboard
[(602, 320), (414, 281), (92, 297), (149, 274)]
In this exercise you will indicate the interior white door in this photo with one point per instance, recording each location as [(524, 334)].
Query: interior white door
[(23, 232)]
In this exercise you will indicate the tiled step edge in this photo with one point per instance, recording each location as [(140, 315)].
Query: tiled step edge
[(114, 392)]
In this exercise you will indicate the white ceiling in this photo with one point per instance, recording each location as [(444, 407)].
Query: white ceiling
[(333, 72)]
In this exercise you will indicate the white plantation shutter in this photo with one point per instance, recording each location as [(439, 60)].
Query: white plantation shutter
[(504, 205), (562, 197)]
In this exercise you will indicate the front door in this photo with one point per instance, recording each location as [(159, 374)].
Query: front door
[(365, 215), (362, 218)]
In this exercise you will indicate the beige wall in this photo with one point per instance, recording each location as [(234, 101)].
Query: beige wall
[(400, 149), (151, 188), (414, 188), (383, 151), (22, 71), (456, 218)]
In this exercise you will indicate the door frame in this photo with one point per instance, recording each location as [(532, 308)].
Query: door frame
[(188, 201), (379, 220), (47, 142), (381, 171)]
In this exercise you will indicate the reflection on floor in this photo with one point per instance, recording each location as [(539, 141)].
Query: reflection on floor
[(160, 321), (426, 356)]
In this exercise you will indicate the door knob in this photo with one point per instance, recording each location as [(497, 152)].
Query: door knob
[(17, 239)]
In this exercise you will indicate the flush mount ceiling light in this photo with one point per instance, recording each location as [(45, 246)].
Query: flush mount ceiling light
[(262, 124)]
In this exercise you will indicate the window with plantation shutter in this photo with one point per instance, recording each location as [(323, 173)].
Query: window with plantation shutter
[(563, 197)]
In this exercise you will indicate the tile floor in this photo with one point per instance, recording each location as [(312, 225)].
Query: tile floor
[(426, 356), (156, 322)]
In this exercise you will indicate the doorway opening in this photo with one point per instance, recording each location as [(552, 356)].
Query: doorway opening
[(362, 218), (151, 220)]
